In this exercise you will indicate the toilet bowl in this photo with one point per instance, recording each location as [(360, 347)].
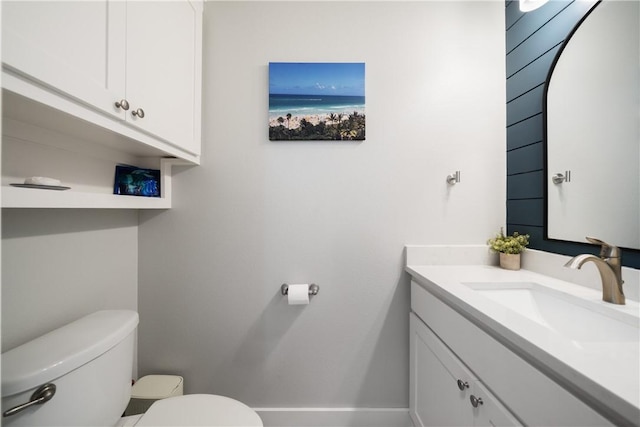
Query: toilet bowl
[(90, 363), (194, 410)]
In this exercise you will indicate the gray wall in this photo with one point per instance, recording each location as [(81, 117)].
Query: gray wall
[(256, 213), (61, 264)]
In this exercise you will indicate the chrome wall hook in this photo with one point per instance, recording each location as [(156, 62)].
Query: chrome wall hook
[(313, 289), (560, 178), (454, 178)]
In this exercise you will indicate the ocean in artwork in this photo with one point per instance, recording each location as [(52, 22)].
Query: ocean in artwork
[(316, 101), (303, 105)]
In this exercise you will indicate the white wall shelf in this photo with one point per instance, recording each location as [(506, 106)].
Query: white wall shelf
[(13, 197), (17, 197)]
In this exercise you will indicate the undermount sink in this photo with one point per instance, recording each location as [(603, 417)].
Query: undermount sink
[(578, 319)]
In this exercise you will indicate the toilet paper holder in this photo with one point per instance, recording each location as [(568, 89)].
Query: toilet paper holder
[(313, 289)]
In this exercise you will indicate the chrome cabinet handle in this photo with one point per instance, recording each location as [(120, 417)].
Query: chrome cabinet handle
[(123, 103), (462, 385), (139, 113), (43, 394), (476, 401)]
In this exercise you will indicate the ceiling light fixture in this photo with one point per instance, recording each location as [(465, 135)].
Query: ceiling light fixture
[(529, 5)]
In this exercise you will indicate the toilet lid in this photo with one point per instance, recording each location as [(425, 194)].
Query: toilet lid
[(199, 410)]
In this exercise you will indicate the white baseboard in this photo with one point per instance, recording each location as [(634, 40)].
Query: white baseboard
[(335, 417)]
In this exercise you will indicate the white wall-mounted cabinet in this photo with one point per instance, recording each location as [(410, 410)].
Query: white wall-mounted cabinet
[(143, 56), (444, 392), (123, 76)]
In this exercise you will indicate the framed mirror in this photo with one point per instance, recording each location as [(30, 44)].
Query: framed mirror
[(592, 129)]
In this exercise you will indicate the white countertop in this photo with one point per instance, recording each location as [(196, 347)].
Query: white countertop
[(606, 372)]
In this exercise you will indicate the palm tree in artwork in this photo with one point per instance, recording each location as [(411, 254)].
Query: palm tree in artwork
[(332, 117), (280, 120), (288, 119)]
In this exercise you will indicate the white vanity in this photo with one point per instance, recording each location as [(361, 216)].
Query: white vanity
[(497, 347)]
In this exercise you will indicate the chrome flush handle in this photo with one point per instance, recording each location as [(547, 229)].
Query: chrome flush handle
[(43, 394)]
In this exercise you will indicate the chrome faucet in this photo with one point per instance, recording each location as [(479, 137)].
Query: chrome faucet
[(610, 267)]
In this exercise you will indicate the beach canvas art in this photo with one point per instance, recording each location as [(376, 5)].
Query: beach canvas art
[(316, 101)]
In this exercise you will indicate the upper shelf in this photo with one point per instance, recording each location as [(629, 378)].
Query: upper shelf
[(18, 197), (14, 197)]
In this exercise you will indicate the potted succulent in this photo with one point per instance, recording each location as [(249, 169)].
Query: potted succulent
[(509, 248)]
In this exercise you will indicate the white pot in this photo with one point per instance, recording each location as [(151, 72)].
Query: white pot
[(510, 261)]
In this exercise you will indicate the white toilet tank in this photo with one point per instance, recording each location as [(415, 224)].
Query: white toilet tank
[(90, 362)]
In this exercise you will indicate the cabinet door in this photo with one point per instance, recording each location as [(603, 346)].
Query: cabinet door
[(443, 391), (435, 397), (488, 410), (162, 69), (74, 47)]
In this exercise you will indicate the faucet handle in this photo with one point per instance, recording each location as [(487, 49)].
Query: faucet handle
[(606, 250)]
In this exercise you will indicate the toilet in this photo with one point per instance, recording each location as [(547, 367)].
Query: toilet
[(89, 361)]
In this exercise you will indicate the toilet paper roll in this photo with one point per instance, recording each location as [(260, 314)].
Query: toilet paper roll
[(298, 294)]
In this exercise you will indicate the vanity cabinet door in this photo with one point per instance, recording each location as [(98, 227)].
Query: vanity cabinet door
[(443, 391), (435, 397), (73, 47)]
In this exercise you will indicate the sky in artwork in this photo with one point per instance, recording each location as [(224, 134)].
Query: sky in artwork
[(321, 78)]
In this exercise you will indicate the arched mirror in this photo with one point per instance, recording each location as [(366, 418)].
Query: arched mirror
[(592, 117)]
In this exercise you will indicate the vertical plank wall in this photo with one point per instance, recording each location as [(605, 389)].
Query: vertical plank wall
[(533, 40)]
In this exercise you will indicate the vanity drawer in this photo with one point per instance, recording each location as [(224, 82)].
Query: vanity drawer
[(526, 391)]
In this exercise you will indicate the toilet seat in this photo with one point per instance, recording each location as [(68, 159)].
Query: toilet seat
[(199, 410)]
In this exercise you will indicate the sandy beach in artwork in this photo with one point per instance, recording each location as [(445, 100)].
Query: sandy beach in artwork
[(294, 121)]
